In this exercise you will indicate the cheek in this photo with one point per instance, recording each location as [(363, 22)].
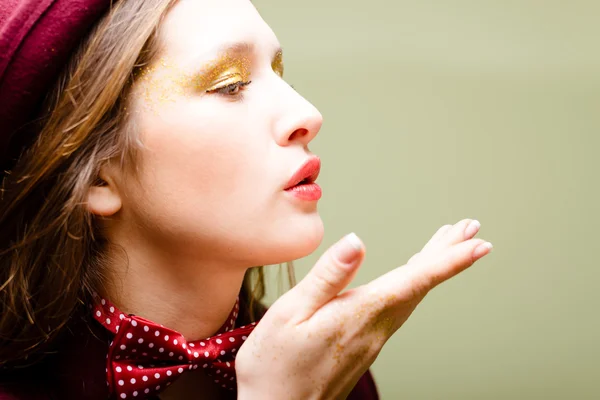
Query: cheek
[(200, 162)]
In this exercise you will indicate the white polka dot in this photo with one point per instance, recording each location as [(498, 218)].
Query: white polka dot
[(151, 345), (117, 357), (206, 354), (147, 391), (103, 301), (117, 328), (129, 368), (129, 335), (157, 375), (140, 340), (112, 309), (118, 369), (218, 371), (161, 350), (121, 316), (196, 366), (132, 380), (144, 378), (196, 354), (175, 341), (205, 365), (121, 382), (183, 345), (233, 350), (166, 338), (134, 323), (189, 351), (123, 347), (123, 395), (157, 333), (98, 313), (219, 341), (158, 387), (244, 337), (192, 345), (231, 339), (222, 352), (169, 373), (180, 358), (140, 366), (180, 370), (225, 376), (146, 329), (135, 393)]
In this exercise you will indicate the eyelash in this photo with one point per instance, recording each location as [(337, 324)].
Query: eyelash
[(227, 89)]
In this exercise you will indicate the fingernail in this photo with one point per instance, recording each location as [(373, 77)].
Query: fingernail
[(472, 229), (482, 250), (348, 248)]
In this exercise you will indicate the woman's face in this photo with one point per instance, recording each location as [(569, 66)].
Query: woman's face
[(223, 133)]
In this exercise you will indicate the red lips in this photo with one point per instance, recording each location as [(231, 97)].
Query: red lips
[(307, 173)]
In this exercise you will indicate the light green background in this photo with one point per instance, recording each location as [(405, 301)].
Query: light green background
[(439, 110)]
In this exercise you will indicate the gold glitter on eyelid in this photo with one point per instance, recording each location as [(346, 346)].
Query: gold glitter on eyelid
[(165, 81), (277, 64), (227, 70)]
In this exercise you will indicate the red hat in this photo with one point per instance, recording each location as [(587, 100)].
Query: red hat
[(36, 40)]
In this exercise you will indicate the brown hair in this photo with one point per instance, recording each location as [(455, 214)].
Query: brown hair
[(52, 253)]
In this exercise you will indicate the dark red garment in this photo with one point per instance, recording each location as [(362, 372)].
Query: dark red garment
[(146, 357), (77, 370), (37, 38)]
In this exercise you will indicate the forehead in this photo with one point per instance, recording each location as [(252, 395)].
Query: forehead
[(195, 30)]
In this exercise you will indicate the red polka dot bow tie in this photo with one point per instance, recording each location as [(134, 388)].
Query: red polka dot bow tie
[(146, 357)]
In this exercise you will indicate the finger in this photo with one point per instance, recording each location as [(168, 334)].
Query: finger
[(459, 232), (437, 235), (434, 239), (331, 274), (415, 280)]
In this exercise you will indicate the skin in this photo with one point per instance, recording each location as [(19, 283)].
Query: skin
[(207, 203)]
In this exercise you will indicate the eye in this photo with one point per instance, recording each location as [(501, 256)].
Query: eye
[(231, 89)]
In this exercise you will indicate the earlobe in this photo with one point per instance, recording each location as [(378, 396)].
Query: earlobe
[(103, 198)]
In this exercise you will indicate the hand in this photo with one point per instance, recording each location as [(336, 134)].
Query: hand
[(315, 342)]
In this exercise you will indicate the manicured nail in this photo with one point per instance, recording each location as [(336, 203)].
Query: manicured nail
[(472, 229), (348, 249), (482, 250)]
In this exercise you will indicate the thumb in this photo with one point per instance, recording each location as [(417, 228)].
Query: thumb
[(330, 275)]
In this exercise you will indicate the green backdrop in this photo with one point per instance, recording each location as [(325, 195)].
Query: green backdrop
[(439, 110)]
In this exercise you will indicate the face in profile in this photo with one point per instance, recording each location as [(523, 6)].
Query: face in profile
[(222, 136)]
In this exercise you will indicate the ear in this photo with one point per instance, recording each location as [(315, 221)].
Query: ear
[(103, 197)]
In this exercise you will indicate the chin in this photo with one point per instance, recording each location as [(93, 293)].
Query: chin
[(298, 240)]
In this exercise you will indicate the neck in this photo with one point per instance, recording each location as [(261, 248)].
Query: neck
[(179, 290)]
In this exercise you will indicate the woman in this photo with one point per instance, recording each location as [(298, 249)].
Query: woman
[(166, 160)]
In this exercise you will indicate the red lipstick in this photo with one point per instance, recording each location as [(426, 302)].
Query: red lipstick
[(302, 183)]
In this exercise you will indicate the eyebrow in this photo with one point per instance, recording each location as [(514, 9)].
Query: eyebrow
[(240, 48)]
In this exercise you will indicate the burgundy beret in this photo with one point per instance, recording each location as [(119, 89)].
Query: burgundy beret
[(36, 39)]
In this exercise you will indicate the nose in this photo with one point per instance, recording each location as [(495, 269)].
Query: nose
[(299, 121)]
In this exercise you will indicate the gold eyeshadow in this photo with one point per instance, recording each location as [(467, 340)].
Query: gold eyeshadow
[(277, 63), (230, 68), (165, 81)]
